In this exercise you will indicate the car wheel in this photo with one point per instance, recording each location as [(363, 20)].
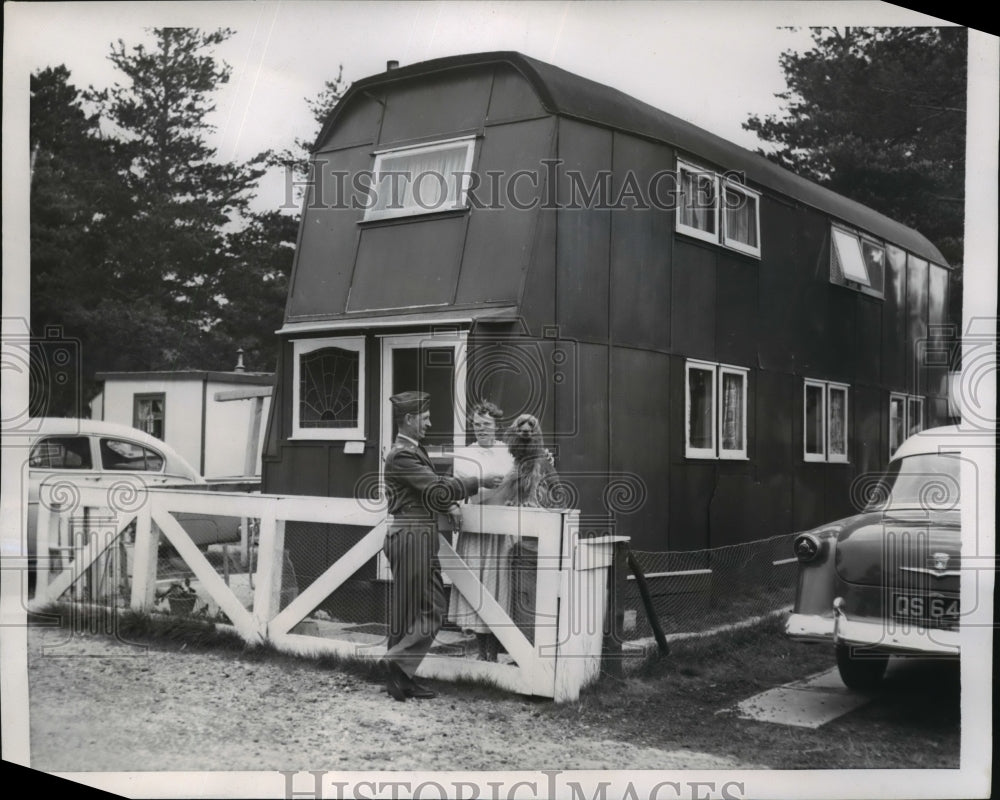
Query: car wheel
[(863, 671)]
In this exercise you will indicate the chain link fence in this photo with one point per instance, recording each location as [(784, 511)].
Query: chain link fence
[(696, 591)]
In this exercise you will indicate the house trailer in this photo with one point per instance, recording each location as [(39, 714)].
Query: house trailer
[(715, 348), (212, 418)]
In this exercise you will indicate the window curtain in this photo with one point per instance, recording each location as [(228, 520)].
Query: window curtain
[(429, 177), (741, 218), (700, 386), (838, 423), (698, 203), (814, 420), (732, 412)]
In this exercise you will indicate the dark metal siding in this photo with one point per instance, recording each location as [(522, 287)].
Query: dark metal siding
[(513, 97), (640, 251), (894, 358), (581, 423), (790, 248), (736, 309), (869, 412), (916, 321), (436, 106), (693, 297), (867, 341), (413, 263), (640, 435), (499, 242), (936, 356), (324, 258), (584, 236), (774, 451), (359, 124)]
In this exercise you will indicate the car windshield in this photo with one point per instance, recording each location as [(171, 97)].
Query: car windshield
[(928, 481)]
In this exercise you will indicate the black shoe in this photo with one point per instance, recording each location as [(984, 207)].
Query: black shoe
[(395, 682), (418, 692)]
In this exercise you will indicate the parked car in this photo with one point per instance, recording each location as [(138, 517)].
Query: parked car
[(100, 454), (886, 581)]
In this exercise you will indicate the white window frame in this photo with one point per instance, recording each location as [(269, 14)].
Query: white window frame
[(700, 452), (826, 455), (716, 450), (688, 230), (906, 400), (838, 458), (302, 347), (740, 454), (460, 202), (854, 243), (727, 240)]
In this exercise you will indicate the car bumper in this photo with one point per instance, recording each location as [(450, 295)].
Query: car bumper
[(879, 634), (810, 627), (896, 637)]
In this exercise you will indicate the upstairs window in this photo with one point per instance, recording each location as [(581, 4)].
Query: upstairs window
[(717, 209), (420, 179), (327, 385), (698, 206), (825, 421), (741, 218), (715, 411), (857, 262)]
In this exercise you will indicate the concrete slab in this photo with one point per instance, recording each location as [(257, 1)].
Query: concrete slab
[(808, 703), (829, 681)]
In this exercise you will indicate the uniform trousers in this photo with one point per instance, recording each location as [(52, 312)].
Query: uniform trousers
[(416, 598)]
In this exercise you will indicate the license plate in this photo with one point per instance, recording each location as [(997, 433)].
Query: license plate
[(933, 609)]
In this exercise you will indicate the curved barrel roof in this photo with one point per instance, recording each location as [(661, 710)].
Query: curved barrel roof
[(566, 94)]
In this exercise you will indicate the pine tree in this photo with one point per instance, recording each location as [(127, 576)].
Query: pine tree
[(170, 239), (878, 115), (71, 193)]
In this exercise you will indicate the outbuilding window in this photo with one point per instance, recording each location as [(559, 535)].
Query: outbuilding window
[(420, 179), (825, 421), (327, 388), (149, 413), (857, 262), (715, 411), (906, 417), (718, 209)]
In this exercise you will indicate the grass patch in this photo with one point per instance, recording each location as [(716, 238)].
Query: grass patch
[(684, 701)]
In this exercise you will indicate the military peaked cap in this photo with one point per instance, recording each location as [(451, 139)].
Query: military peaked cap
[(410, 402)]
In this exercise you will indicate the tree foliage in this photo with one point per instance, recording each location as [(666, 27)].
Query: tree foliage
[(878, 115), (296, 158), (142, 240)]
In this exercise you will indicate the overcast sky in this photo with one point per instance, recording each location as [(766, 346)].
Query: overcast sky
[(712, 63)]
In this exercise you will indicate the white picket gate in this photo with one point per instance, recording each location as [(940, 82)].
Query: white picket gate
[(571, 576)]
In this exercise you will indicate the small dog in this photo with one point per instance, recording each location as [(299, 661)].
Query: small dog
[(533, 481)]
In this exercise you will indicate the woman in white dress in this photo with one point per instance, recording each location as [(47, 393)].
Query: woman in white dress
[(485, 554)]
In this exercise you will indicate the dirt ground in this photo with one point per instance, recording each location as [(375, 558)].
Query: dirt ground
[(97, 704)]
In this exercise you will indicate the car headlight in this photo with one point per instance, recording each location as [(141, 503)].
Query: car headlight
[(810, 546), (806, 547)]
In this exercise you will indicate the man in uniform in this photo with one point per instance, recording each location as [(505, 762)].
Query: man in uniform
[(417, 497)]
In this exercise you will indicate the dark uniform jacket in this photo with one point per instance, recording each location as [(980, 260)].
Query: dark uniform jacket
[(414, 489)]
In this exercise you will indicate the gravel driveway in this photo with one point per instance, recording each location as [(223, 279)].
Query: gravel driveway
[(101, 705)]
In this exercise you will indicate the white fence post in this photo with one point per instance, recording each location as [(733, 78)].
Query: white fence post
[(47, 531), (270, 563), (147, 540)]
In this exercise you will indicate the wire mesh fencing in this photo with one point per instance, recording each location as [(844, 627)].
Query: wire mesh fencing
[(699, 590)]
